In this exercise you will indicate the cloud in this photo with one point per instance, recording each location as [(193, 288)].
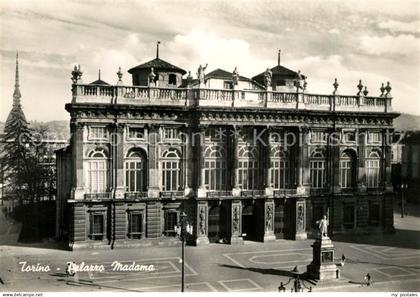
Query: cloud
[(334, 31), (396, 26), (404, 44), (200, 47)]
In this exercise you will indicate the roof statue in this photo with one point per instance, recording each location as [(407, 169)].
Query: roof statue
[(200, 73)]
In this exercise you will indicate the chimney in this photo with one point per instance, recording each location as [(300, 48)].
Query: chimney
[(157, 50), (278, 58)]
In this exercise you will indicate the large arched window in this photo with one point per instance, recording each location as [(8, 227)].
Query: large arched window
[(248, 168), (347, 170), (97, 171), (135, 171), (279, 169), (318, 170), (373, 170), (215, 168), (171, 170)]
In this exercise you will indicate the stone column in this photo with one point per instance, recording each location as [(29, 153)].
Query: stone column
[(300, 219), (387, 166), (269, 220), (303, 174), (236, 222), (77, 191), (334, 162), (117, 161), (188, 164), (202, 191), (361, 176), (268, 186), (202, 223), (154, 180), (236, 191)]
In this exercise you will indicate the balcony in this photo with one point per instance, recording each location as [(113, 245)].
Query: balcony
[(219, 194), (284, 193), (252, 193), (172, 194), (97, 196), (135, 195), (143, 96)]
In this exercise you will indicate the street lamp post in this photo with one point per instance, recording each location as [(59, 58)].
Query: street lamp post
[(404, 186), (298, 283), (182, 229)]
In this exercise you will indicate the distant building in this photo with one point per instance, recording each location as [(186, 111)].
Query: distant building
[(219, 148), (410, 165)]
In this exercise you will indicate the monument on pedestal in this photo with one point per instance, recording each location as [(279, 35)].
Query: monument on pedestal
[(322, 266)]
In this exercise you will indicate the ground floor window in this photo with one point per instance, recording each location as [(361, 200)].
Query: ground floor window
[(171, 221), (348, 216), (97, 226), (135, 224), (374, 214)]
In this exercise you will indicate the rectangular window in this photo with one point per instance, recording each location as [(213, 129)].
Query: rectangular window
[(98, 133), (349, 136), (170, 175), (374, 137), (248, 175), (171, 221), (228, 85), (279, 174), (136, 133), (97, 176), (135, 224), (135, 176), (374, 214), (318, 174), (373, 173), (97, 226), (318, 137), (348, 216), (170, 133), (215, 175), (346, 173)]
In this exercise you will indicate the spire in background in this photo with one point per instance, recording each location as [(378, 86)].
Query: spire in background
[(157, 50), (16, 93), (278, 58), (99, 74)]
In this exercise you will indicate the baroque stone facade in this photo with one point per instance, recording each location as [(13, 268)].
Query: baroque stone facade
[(254, 159)]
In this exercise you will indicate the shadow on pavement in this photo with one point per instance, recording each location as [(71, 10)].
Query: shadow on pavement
[(402, 238), (304, 276)]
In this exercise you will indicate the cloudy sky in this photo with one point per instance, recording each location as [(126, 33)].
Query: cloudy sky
[(376, 41)]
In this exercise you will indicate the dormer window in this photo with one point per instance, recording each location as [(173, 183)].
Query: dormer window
[(172, 79), (228, 85)]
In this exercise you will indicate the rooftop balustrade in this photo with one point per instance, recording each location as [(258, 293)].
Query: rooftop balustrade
[(139, 95)]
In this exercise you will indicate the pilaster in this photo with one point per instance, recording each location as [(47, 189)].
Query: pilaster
[(78, 191), (300, 216), (202, 223), (361, 177), (154, 182), (269, 220), (236, 222)]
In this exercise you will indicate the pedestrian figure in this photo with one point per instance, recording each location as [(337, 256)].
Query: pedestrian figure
[(282, 288), (367, 279), (343, 260)]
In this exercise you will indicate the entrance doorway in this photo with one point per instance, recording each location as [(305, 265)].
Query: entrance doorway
[(249, 222), (217, 224)]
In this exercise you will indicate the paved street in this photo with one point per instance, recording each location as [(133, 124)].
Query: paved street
[(393, 261)]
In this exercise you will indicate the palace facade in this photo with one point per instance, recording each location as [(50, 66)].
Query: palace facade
[(245, 158)]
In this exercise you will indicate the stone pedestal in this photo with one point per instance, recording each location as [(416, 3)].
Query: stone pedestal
[(322, 266)]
